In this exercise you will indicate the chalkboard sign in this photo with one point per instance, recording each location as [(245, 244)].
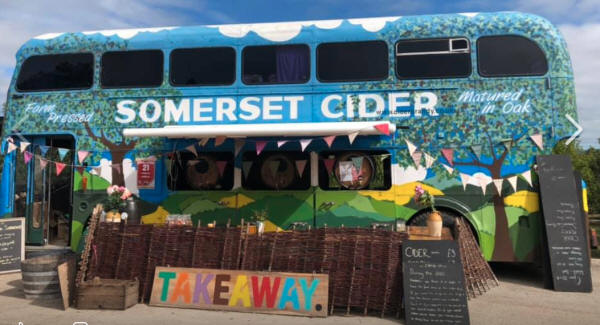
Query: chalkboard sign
[(565, 237), (12, 244), (433, 283)]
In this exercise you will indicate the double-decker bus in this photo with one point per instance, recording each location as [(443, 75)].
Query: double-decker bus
[(323, 123)]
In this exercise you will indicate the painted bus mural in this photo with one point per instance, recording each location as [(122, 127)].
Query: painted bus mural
[(324, 123)]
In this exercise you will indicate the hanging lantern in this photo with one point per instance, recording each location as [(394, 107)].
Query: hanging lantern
[(278, 172), (352, 173), (202, 173)]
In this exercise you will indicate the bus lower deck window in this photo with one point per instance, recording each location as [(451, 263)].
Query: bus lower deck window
[(204, 172), (433, 58), (129, 69), (57, 72), (275, 64), (355, 170), (352, 61), (510, 55), (202, 66)]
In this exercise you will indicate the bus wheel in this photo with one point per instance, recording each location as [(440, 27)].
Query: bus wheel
[(420, 219)]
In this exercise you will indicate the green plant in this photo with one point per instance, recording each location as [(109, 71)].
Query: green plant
[(424, 198), (260, 215)]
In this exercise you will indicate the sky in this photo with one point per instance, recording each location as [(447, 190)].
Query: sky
[(578, 20)]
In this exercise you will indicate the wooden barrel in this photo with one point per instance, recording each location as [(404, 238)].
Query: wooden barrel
[(40, 277)]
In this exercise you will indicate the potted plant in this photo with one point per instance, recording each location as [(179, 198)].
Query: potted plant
[(259, 217), (115, 203), (434, 220)]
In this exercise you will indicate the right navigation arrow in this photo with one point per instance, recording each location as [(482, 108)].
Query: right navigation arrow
[(577, 132)]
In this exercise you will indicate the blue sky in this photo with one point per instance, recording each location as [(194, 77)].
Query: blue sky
[(578, 20)]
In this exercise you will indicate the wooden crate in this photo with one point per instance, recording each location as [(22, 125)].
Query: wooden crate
[(107, 294)]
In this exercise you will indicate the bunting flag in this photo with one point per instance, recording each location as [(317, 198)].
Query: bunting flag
[(44, 150), (203, 141), (513, 182), (384, 128), (477, 150), (192, 149), (449, 169), (358, 162), (300, 165), (43, 163), (411, 147), (483, 186), (24, 145), (219, 140), (449, 155), (221, 164), (59, 167), (498, 185), (80, 169), (11, 147), (428, 160), (329, 165), (464, 179), (260, 145), (329, 140), (527, 176), (274, 166), (508, 143), (238, 145), (281, 143), (81, 155), (98, 170), (27, 156), (538, 140), (352, 136), (62, 153), (304, 143), (416, 157), (246, 165), (117, 167)]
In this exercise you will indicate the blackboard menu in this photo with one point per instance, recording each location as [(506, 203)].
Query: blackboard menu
[(433, 283), (12, 244), (565, 237)]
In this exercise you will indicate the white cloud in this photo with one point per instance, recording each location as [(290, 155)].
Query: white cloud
[(583, 42)]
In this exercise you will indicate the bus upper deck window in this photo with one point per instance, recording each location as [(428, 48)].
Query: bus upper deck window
[(57, 72), (433, 58), (122, 69), (352, 61), (510, 55), (202, 66), (275, 64)]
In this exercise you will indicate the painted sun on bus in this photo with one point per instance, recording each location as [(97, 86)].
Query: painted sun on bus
[(324, 123)]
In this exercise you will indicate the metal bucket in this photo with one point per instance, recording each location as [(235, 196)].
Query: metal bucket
[(40, 277)]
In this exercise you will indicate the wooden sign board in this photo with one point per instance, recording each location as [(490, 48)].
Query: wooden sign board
[(66, 279), (12, 244), (565, 237), (433, 283), (245, 291)]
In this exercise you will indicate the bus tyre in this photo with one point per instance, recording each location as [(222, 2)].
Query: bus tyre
[(420, 219)]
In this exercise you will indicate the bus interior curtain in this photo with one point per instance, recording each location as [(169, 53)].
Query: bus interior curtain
[(292, 64)]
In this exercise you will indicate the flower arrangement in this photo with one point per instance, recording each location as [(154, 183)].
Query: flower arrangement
[(424, 198), (116, 196)]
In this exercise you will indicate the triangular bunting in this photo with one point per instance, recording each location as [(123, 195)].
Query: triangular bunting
[(358, 162), (59, 167), (221, 164), (449, 169), (81, 155), (449, 155), (43, 163), (260, 145), (11, 147), (62, 153), (498, 185), (527, 176), (219, 140), (384, 128), (352, 136), (192, 149), (304, 143), (416, 157), (329, 140), (27, 156), (117, 167), (428, 160), (80, 169), (538, 140), (484, 182), (464, 179), (238, 144), (203, 141), (329, 165), (300, 165), (281, 143), (44, 150), (513, 182), (24, 145), (477, 150), (411, 147), (246, 165), (274, 166), (98, 170), (483, 186), (508, 143)]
